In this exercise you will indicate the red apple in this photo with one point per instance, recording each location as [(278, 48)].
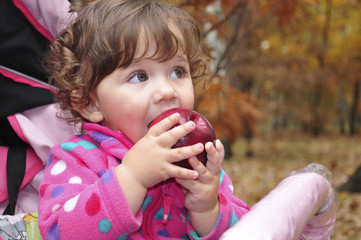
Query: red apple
[(203, 133)]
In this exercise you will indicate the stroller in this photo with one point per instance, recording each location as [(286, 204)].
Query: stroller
[(28, 114)]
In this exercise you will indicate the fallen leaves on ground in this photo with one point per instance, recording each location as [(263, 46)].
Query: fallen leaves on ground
[(275, 156)]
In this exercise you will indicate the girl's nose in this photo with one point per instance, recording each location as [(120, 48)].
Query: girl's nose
[(164, 91)]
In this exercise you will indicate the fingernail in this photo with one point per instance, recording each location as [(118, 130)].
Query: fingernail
[(175, 115), (190, 124)]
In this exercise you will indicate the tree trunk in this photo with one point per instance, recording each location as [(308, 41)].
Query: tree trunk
[(354, 108), (341, 110), (353, 184), (316, 125)]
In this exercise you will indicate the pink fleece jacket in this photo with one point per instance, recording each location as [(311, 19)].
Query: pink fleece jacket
[(82, 199)]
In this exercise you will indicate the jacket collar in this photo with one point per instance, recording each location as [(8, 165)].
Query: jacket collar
[(113, 142)]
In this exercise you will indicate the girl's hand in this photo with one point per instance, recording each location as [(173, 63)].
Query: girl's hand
[(201, 195), (150, 160)]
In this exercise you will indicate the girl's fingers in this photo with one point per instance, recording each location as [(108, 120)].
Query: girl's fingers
[(187, 184), (183, 173), (199, 167), (164, 124), (215, 155), (186, 152), (176, 133), (220, 147), (171, 136)]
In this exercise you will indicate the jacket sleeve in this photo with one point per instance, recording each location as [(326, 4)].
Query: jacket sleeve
[(231, 209), (80, 198)]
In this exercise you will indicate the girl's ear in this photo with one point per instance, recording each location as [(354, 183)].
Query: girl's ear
[(91, 112)]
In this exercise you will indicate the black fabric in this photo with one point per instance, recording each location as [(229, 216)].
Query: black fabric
[(16, 162), (22, 47), (17, 97)]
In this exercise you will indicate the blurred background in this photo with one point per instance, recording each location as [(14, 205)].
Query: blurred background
[(285, 92)]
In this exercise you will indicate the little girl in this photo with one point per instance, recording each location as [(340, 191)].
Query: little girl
[(121, 64)]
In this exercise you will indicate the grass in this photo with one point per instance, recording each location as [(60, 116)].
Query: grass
[(276, 155)]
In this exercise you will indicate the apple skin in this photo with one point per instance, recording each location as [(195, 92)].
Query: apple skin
[(203, 132)]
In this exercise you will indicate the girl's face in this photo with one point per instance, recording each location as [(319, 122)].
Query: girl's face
[(129, 98)]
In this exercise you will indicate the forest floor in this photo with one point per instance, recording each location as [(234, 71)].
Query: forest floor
[(276, 155)]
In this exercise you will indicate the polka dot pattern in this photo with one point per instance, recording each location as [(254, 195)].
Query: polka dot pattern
[(233, 219), (159, 214), (69, 146), (123, 236), (188, 218), (70, 204), (75, 180), (146, 202), (222, 199), (53, 232), (101, 172), (91, 203), (92, 206), (58, 168), (104, 225), (50, 160), (221, 174), (164, 233), (107, 177), (194, 234), (183, 217), (219, 220), (43, 189), (87, 145), (231, 187), (101, 137), (55, 208), (57, 191)]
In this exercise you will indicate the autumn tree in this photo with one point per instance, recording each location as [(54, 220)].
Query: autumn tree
[(231, 109)]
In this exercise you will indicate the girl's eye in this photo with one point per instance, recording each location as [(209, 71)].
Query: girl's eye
[(138, 77), (177, 73)]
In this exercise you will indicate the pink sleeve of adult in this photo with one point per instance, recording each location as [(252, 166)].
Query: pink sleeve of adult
[(302, 206)]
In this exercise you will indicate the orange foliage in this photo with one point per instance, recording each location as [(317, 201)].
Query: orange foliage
[(231, 112), (228, 6), (284, 10)]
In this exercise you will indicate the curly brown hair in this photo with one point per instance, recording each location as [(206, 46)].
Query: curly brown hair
[(105, 36)]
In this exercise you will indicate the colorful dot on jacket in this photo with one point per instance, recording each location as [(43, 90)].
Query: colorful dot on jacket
[(104, 225), (71, 203), (92, 206), (221, 174), (233, 219), (146, 202), (101, 137), (164, 233), (53, 232), (57, 191), (107, 177), (58, 168), (69, 146)]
